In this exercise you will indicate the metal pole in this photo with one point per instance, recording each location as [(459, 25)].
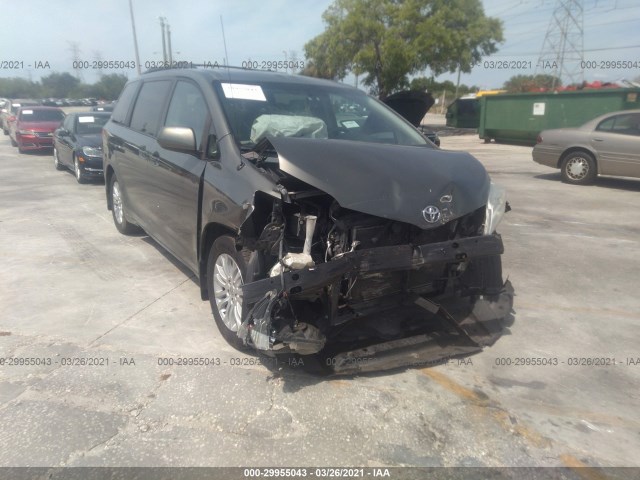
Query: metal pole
[(164, 45), (224, 41), (135, 38), (169, 44)]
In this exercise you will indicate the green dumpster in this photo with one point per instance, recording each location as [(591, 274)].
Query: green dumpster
[(519, 117), (464, 113)]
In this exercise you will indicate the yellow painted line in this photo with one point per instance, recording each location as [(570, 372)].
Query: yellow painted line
[(481, 404), (581, 468), (454, 387)]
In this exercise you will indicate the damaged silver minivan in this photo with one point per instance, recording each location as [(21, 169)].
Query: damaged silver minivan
[(317, 220)]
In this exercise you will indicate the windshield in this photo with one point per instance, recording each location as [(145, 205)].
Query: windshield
[(29, 115), (90, 124), (312, 111)]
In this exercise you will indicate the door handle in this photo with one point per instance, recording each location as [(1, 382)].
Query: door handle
[(598, 139)]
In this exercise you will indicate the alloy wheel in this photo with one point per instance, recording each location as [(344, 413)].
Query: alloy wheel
[(116, 199), (227, 291)]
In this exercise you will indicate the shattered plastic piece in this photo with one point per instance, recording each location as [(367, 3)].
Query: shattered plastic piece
[(260, 314), (304, 339), (293, 261)]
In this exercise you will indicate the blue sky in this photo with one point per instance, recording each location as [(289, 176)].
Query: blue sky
[(264, 30)]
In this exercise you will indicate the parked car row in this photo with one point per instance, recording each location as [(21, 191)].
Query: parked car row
[(75, 138), (69, 102)]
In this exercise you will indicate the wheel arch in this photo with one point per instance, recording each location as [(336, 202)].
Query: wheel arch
[(108, 173), (209, 234), (583, 149)]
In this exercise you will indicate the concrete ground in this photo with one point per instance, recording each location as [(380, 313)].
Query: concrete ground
[(73, 290)]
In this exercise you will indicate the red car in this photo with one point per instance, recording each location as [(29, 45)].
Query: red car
[(33, 127)]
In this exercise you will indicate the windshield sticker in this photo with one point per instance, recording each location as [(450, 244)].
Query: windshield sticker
[(86, 119), (27, 112), (243, 92), (350, 124)]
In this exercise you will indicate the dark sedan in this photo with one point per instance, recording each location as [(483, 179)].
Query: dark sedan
[(77, 144)]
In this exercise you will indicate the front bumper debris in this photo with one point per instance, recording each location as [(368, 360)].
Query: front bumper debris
[(456, 325), (481, 327), (396, 257)]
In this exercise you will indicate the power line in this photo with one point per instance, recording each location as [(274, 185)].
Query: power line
[(530, 54)]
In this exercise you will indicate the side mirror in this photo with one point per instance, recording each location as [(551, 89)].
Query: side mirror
[(62, 132), (180, 139)]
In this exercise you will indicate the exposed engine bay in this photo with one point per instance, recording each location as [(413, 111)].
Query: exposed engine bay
[(325, 277)]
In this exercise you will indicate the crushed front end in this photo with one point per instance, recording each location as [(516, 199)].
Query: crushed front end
[(369, 292)]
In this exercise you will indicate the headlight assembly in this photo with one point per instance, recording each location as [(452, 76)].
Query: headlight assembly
[(496, 207), (92, 151)]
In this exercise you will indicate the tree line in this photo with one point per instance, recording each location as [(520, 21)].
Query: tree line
[(63, 85)]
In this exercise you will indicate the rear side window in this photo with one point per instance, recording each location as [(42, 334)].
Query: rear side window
[(148, 108), (122, 107), (188, 109), (626, 124)]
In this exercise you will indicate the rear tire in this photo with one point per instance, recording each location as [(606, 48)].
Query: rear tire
[(118, 209), (226, 272), (579, 168)]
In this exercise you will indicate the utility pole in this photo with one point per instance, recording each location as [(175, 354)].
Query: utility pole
[(135, 38), (164, 44), (457, 83), (74, 47), (562, 50), (169, 44)]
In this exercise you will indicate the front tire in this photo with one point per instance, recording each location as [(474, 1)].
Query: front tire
[(80, 176), (579, 168), (226, 273), (56, 160), (118, 209)]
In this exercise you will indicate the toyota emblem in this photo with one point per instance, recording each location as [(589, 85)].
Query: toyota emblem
[(431, 214)]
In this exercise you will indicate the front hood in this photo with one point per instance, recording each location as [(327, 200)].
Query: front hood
[(388, 181), (39, 126), (411, 104), (91, 140)]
